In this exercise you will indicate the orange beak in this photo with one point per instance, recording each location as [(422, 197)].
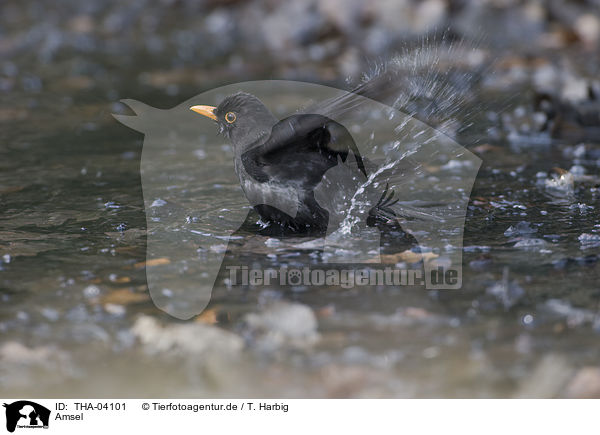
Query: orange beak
[(208, 111)]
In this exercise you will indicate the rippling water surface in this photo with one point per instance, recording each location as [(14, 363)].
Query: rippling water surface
[(75, 297)]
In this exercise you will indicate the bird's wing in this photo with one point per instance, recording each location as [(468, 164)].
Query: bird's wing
[(300, 134)]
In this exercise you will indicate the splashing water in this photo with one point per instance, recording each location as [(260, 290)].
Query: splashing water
[(357, 205)]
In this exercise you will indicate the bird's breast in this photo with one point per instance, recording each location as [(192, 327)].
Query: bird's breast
[(276, 194)]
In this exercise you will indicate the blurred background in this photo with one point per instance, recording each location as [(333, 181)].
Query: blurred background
[(170, 49), (75, 316)]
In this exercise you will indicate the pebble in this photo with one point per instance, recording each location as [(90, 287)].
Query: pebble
[(585, 384), (185, 339), (530, 243), (587, 27), (546, 380), (115, 309), (573, 316), (91, 291), (50, 314), (282, 324)]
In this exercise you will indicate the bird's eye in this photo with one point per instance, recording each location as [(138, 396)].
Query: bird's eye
[(230, 117)]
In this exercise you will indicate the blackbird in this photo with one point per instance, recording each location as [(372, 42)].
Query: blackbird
[(281, 162)]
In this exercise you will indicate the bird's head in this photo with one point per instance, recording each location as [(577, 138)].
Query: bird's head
[(241, 117)]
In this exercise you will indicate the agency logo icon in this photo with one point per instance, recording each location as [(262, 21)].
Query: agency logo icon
[(353, 173), (25, 414)]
